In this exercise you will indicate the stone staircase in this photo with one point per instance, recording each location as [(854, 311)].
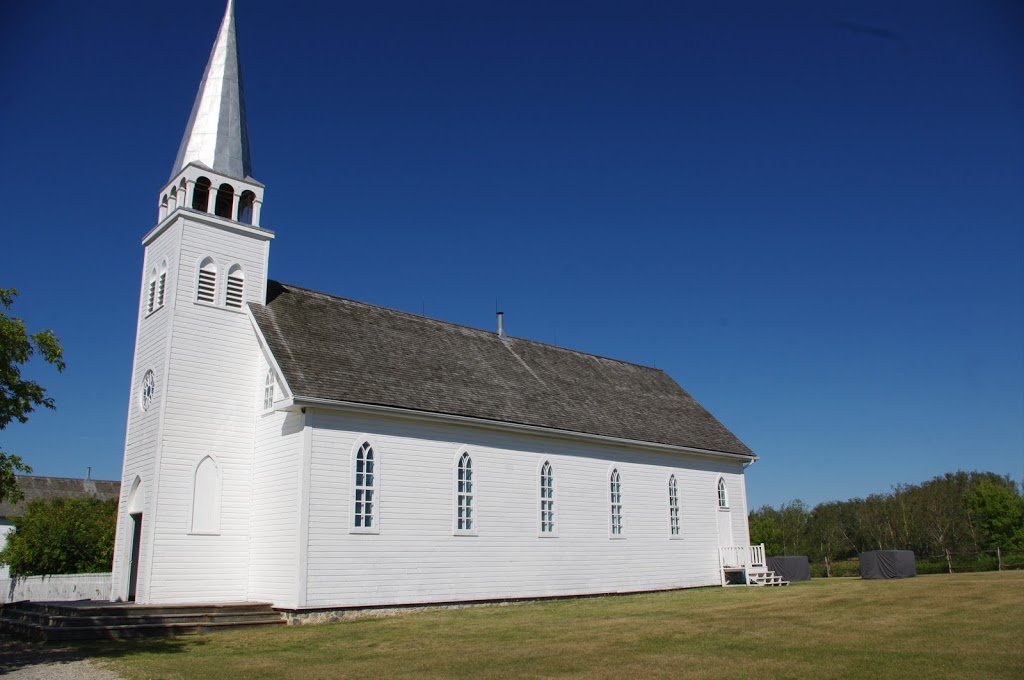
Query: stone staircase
[(766, 578), (95, 620)]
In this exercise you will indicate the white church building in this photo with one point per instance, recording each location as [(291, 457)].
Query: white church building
[(289, 446)]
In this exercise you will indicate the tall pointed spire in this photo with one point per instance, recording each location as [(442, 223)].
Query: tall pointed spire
[(216, 135)]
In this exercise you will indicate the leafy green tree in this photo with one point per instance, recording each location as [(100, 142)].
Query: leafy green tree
[(19, 397), (62, 536), (764, 528), (999, 511)]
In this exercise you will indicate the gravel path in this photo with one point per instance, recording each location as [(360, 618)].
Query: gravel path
[(21, 660)]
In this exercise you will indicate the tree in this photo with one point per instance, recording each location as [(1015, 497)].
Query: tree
[(62, 536), (764, 528), (999, 509), (19, 397)]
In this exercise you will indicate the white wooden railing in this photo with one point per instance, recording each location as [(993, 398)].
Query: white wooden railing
[(742, 556)]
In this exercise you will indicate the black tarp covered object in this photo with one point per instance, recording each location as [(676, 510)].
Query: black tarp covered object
[(794, 568), (888, 564)]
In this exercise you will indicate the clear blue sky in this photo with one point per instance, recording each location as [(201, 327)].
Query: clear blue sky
[(811, 215)]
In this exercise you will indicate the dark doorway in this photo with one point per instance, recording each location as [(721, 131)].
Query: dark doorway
[(133, 568)]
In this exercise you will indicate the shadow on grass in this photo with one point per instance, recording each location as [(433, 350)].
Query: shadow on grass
[(16, 653)]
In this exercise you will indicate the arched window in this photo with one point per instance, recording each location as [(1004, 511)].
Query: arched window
[(245, 204), (201, 195), (236, 287), (173, 203), (547, 499), (268, 391), (464, 520), (673, 506), (206, 290), (362, 514), (225, 200), (615, 498), (163, 207), (206, 498), (723, 499)]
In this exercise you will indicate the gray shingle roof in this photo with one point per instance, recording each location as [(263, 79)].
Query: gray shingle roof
[(342, 350), (49, 488)]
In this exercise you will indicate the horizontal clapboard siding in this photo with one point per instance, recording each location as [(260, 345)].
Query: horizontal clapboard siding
[(209, 410), (415, 557), (141, 437), (274, 544)]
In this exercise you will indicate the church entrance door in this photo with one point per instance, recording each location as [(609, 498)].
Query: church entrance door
[(133, 566)]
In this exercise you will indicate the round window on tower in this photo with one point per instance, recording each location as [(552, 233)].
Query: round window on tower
[(148, 390)]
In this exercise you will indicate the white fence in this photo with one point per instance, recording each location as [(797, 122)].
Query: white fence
[(56, 588)]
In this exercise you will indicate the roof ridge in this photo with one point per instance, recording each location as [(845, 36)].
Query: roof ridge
[(413, 315)]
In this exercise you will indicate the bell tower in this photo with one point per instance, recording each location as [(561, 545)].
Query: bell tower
[(182, 533)]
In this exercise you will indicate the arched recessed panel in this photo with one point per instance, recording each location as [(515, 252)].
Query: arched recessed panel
[(206, 498), (136, 497)]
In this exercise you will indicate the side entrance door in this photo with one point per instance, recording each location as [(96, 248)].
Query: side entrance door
[(133, 567)]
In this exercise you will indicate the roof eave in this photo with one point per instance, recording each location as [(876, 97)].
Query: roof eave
[(300, 402)]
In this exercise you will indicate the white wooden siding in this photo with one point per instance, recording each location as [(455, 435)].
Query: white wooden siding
[(206, 404), (416, 558), (274, 524), (142, 433)]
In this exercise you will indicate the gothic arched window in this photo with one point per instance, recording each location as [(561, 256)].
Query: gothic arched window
[(547, 499), (465, 522), (363, 489), (673, 506), (615, 501)]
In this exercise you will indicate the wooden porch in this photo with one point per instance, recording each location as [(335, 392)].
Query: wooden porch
[(747, 565)]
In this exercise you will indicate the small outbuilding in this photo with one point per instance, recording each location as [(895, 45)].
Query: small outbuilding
[(888, 564), (791, 568)]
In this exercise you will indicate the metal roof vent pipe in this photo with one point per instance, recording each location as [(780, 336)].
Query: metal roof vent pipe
[(88, 474), (501, 325)]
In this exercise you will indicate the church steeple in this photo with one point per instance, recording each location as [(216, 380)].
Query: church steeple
[(216, 135)]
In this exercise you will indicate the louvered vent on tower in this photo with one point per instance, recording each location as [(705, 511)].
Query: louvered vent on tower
[(236, 287), (206, 290), (161, 288)]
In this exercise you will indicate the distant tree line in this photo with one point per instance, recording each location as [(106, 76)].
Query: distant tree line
[(959, 512)]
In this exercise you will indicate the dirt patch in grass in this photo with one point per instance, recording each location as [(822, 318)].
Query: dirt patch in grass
[(930, 626)]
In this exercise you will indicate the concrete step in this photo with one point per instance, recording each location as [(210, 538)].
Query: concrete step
[(58, 634), (96, 620)]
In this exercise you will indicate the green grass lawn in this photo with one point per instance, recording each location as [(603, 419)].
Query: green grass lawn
[(955, 626)]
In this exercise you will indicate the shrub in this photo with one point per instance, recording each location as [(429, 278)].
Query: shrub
[(62, 536)]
